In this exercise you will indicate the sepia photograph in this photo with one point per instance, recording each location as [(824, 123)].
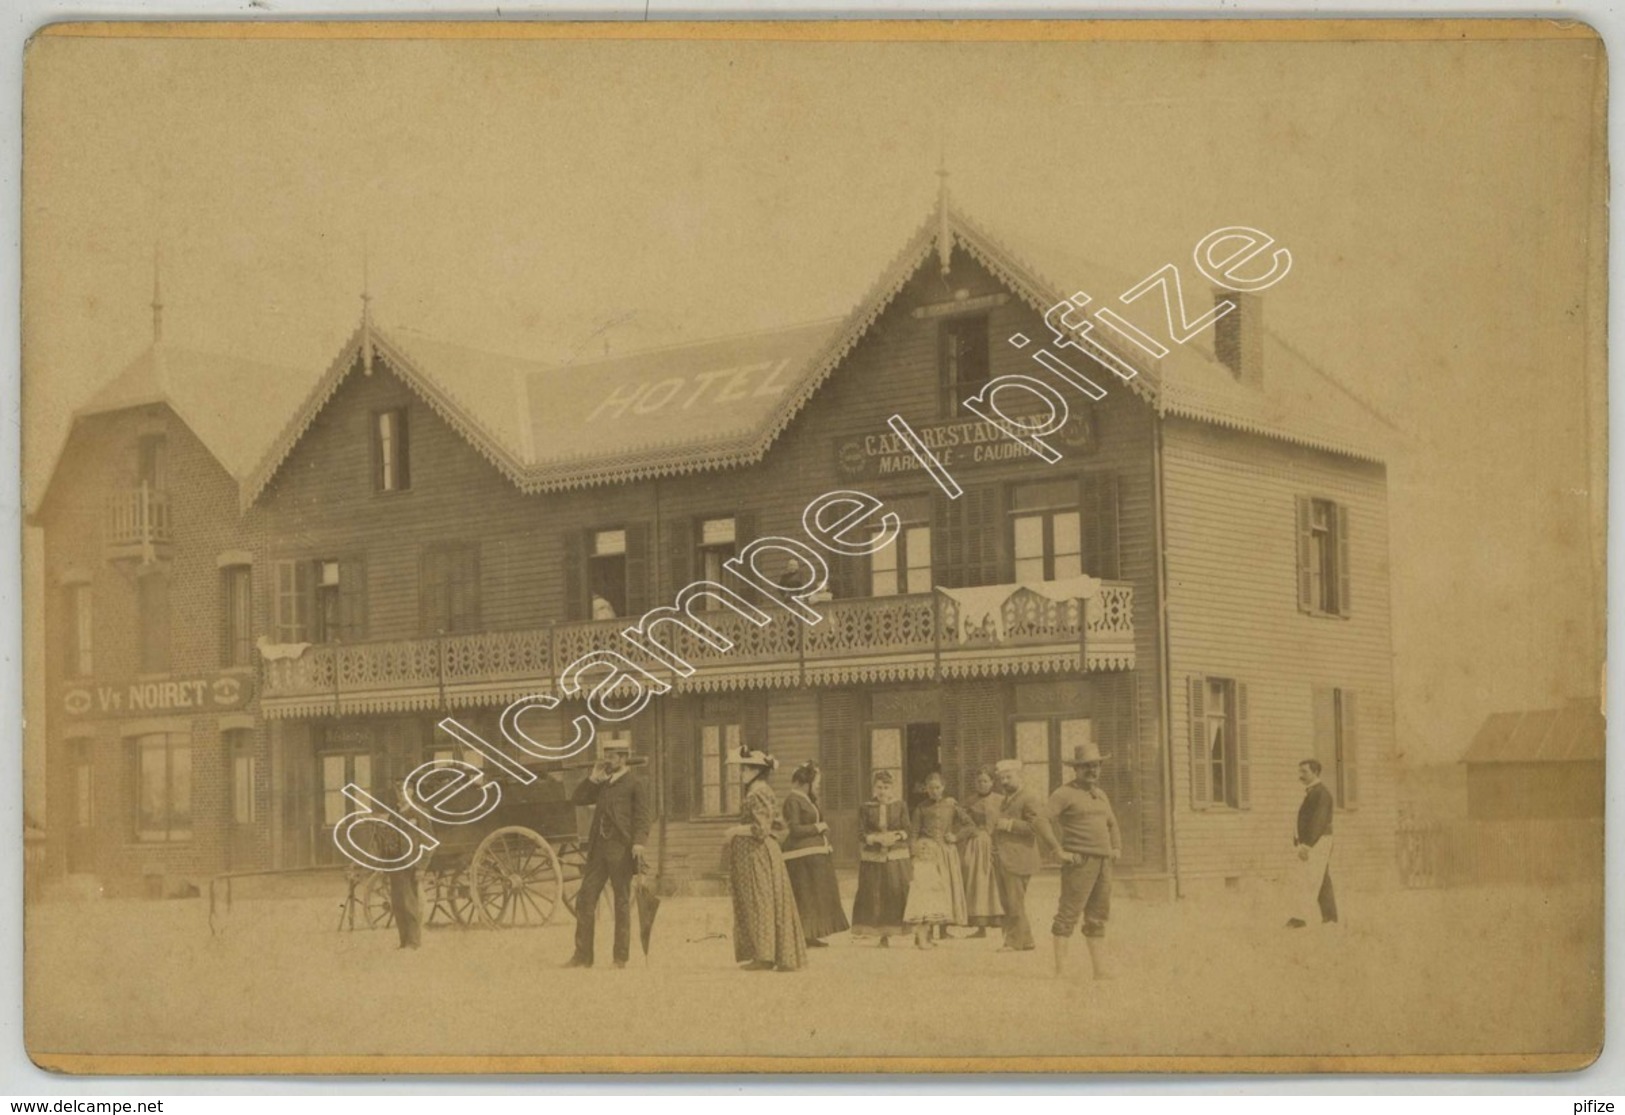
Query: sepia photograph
[(846, 547)]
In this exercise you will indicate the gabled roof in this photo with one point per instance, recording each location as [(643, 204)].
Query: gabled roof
[(222, 399), (1575, 733), (722, 403)]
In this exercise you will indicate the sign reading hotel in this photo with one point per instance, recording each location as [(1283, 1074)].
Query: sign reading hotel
[(218, 693), (956, 444)]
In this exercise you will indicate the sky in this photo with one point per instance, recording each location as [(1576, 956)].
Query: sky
[(551, 199)]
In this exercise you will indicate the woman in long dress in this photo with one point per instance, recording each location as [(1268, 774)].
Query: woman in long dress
[(809, 859), (767, 928), (982, 905), (938, 872), (883, 871)]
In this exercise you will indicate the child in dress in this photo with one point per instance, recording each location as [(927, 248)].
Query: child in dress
[(883, 863)]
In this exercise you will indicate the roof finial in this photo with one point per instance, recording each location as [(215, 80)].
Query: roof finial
[(945, 235), (157, 295), (366, 306)]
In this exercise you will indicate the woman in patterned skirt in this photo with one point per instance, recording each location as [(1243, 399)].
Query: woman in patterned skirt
[(883, 871), (936, 897), (810, 860), (982, 905), (767, 928)]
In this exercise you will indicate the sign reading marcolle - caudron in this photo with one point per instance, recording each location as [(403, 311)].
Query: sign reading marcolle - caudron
[(216, 693), (955, 444)]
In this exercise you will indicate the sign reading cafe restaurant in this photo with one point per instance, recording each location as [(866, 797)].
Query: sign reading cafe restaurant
[(218, 693), (956, 444)]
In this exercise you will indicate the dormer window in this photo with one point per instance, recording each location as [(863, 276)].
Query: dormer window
[(962, 359), (391, 470)]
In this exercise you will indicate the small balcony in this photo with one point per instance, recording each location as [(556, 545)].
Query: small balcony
[(984, 632), (137, 525)]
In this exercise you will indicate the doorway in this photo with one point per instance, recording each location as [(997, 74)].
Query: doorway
[(910, 751)]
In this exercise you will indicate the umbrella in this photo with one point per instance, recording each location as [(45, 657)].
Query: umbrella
[(648, 899)]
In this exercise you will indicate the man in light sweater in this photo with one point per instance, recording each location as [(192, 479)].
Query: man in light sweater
[(1090, 842)]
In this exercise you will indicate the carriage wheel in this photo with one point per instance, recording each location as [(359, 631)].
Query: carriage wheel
[(514, 878), (375, 904), (451, 898)]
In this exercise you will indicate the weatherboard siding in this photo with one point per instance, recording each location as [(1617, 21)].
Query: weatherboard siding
[(1233, 612)]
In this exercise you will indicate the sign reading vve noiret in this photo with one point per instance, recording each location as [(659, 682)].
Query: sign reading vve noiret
[(211, 693)]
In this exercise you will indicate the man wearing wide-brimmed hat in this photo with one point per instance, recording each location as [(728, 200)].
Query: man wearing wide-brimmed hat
[(620, 829), (1090, 842)]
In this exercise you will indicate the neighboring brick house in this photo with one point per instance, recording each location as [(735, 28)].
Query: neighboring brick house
[(1200, 584), (156, 762)]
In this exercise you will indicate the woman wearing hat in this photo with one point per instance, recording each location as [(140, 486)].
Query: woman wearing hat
[(767, 927), (809, 859), (883, 863)]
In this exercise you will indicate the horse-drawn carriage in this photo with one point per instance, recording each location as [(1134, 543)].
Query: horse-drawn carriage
[(511, 868)]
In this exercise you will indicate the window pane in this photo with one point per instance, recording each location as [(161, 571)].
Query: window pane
[(714, 532), (1053, 494), (1030, 538), (885, 558), (1032, 748), (732, 736), (713, 799), (152, 788), (608, 542), (886, 749), (363, 771), (242, 789), (180, 792), (884, 583), (1068, 535), (918, 553)]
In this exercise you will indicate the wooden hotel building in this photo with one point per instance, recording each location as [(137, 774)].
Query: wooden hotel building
[(1200, 584)]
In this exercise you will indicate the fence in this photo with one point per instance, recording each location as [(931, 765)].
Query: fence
[(1505, 853)]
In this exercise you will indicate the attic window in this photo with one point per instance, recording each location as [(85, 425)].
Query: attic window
[(1227, 332), (390, 462), (962, 359)]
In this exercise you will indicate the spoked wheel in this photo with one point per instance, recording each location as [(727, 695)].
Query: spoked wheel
[(451, 898), (375, 902), (514, 878)]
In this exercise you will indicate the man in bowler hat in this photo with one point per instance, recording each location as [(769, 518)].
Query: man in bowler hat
[(620, 828), (1022, 825)]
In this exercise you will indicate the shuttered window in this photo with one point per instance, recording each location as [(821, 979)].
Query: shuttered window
[(78, 629), (1323, 557), (449, 590), (152, 593), (838, 718), (607, 573), (320, 601), (391, 458), (962, 359), (904, 565), (966, 544), (719, 779), (236, 616), (1220, 764), (239, 747), (1336, 714)]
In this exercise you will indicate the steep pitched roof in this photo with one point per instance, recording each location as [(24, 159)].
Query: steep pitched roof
[(222, 399), (735, 395), (1573, 733)]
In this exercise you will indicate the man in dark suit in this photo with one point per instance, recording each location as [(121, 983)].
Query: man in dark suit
[(1022, 825), (1314, 845), (620, 828)]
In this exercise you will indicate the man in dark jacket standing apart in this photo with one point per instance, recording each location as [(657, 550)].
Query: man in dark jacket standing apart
[(1314, 845), (620, 828), (1022, 826)]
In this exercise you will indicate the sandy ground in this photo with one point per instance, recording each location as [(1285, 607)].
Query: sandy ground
[(1467, 971)]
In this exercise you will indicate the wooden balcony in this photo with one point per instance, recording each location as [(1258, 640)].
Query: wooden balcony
[(896, 638), (137, 525)]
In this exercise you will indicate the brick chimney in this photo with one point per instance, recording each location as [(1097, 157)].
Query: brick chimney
[(1238, 336)]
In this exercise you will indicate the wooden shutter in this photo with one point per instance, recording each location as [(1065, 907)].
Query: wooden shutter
[(403, 450), (638, 570), (1324, 701), (677, 539), (1244, 765), (431, 591), (467, 587), (1306, 543), (753, 722), (984, 535), (947, 546), (838, 752), (681, 742), (1342, 560), (1201, 779), (976, 729), (575, 576), (284, 602), (353, 600), (1348, 706), (1098, 502), (377, 443)]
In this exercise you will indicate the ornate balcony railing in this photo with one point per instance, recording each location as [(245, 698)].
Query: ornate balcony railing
[(988, 631), (137, 523)]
